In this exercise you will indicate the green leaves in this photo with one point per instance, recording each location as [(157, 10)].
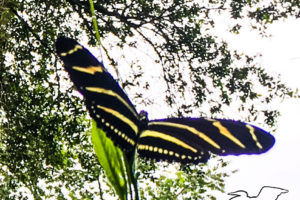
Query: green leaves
[(111, 159), (40, 114)]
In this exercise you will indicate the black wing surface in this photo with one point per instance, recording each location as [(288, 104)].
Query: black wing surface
[(191, 140)]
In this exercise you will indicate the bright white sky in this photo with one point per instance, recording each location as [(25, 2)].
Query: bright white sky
[(280, 167)]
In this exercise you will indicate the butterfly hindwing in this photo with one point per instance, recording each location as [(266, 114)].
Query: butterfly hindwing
[(108, 105), (191, 139)]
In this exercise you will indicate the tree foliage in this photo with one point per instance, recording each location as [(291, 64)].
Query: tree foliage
[(45, 148)]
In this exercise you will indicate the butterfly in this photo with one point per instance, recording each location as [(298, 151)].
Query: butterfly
[(184, 140)]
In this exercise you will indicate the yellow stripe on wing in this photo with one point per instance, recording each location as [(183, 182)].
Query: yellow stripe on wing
[(112, 93), (76, 48), (121, 117), (190, 129), (251, 131), (89, 70), (156, 134), (224, 131)]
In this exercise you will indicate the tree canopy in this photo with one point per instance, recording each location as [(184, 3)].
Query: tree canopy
[(45, 148)]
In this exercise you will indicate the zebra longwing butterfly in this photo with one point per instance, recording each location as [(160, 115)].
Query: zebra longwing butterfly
[(185, 140)]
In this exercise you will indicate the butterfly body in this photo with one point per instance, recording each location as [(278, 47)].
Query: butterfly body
[(185, 140)]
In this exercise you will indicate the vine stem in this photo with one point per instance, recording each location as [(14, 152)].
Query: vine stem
[(95, 25), (95, 21)]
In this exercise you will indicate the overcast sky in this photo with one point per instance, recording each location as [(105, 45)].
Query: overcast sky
[(280, 167)]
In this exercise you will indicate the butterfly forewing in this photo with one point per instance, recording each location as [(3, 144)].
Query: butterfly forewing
[(235, 137), (191, 139), (108, 105)]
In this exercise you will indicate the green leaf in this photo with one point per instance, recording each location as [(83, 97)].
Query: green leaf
[(111, 159)]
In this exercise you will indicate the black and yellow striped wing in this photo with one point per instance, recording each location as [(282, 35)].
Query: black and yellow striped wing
[(108, 105), (192, 140), (185, 140)]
